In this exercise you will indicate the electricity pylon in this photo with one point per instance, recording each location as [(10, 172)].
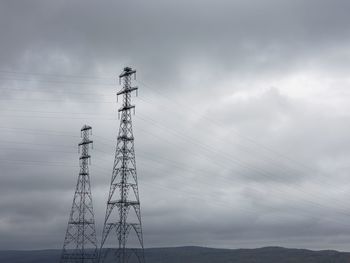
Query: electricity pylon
[(123, 215), (80, 244)]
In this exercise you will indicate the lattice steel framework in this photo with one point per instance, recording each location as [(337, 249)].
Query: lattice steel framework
[(123, 216), (80, 244)]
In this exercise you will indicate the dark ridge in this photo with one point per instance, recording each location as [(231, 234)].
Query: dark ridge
[(199, 255)]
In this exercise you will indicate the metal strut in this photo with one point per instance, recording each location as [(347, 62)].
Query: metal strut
[(80, 244), (123, 215)]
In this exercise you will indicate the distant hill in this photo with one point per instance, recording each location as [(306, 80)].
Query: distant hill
[(200, 255)]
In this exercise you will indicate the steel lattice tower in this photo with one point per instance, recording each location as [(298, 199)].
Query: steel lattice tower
[(123, 216), (80, 244)]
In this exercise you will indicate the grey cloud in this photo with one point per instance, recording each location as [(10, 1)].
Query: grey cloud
[(235, 35), (206, 177)]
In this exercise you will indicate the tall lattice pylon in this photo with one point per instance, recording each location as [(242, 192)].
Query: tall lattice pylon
[(122, 225), (80, 244)]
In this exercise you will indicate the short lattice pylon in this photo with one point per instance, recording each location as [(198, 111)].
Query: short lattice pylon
[(80, 244)]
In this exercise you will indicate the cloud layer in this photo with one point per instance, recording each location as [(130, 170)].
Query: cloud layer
[(241, 122)]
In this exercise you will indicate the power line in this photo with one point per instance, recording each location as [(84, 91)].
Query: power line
[(109, 153), (192, 109), (51, 74), (108, 102), (53, 92), (159, 93), (261, 146), (215, 123), (60, 82)]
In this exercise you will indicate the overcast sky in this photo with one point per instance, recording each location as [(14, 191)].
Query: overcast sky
[(241, 129)]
